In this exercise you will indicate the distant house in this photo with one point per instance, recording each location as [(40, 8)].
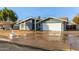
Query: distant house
[(4, 25), (71, 27), (16, 27), (52, 24)]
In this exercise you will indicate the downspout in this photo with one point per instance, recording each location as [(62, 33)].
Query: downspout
[(35, 24), (62, 31)]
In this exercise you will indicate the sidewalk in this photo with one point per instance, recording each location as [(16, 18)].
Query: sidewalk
[(3, 39)]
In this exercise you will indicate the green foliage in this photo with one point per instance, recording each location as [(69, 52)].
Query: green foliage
[(1, 15), (8, 15)]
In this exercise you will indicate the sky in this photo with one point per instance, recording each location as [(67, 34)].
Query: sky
[(25, 12)]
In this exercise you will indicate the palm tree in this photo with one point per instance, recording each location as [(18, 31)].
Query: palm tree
[(9, 15), (1, 16)]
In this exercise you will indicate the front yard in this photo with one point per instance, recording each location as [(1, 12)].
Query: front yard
[(41, 39)]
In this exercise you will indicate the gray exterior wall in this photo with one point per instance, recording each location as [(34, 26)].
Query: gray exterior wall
[(28, 26), (25, 26)]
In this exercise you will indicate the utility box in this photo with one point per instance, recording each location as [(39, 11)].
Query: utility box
[(12, 35)]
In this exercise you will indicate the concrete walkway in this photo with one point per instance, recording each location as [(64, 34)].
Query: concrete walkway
[(3, 39)]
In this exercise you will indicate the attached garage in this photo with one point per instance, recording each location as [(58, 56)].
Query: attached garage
[(52, 24)]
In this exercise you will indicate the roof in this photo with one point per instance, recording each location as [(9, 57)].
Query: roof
[(6, 23), (26, 20), (72, 23), (52, 18)]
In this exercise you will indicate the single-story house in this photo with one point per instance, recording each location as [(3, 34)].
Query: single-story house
[(71, 26), (52, 24)]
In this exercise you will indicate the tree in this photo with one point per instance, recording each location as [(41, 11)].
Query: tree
[(9, 15), (76, 19), (1, 16)]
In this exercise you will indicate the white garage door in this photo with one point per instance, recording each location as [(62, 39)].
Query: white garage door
[(53, 26)]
